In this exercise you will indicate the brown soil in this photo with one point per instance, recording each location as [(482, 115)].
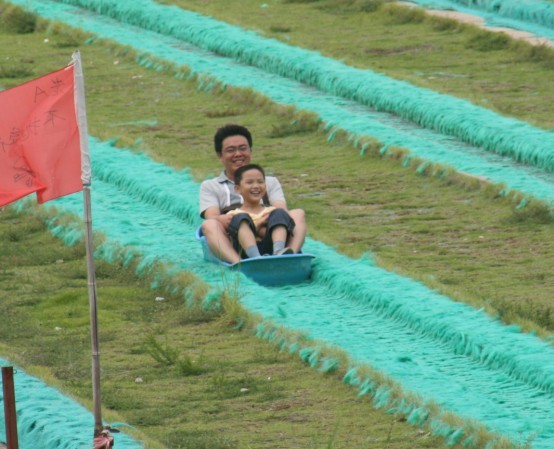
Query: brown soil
[(480, 22)]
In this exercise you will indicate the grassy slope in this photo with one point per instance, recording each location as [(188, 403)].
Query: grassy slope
[(462, 241), (443, 238), (449, 242), (488, 69), (193, 398), (43, 297)]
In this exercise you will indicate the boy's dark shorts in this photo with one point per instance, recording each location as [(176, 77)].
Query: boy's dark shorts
[(277, 217)]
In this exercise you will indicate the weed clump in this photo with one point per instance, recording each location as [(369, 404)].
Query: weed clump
[(280, 29), (539, 54), (304, 123), (533, 211), (14, 71), (359, 5), (370, 5), (400, 15), (16, 20), (198, 440), (164, 354), (444, 24), (485, 41)]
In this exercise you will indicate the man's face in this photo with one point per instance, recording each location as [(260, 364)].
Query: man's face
[(235, 153)]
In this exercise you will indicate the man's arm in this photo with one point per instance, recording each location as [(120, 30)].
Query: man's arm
[(209, 202), (214, 213), (280, 204), (275, 193), (211, 212), (215, 224)]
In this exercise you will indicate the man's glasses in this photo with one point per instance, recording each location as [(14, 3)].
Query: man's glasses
[(240, 149)]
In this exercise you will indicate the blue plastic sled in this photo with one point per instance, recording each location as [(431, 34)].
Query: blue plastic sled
[(270, 271)]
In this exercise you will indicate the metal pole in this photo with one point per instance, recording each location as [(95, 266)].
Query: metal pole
[(98, 427), (9, 407)]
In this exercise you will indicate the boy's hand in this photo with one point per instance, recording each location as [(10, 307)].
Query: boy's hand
[(260, 232), (261, 221), (224, 219)]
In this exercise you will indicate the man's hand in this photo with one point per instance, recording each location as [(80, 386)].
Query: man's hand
[(224, 219), (215, 214)]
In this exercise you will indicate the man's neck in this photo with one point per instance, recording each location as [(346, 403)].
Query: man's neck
[(230, 177)]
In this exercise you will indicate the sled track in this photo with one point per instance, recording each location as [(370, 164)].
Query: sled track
[(440, 350)]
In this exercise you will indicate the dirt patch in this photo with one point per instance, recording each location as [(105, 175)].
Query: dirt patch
[(396, 51), (480, 22)]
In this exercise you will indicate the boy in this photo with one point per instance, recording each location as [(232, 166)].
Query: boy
[(256, 229)]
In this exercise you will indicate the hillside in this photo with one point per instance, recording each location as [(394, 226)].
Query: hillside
[(465, 238)]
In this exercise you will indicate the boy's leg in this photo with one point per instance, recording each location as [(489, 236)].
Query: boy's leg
[(279, 229), (279, 238), (242, 232), (247, 240)]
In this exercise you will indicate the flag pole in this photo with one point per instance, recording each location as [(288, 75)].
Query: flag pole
[(98, 427), (80, 108)]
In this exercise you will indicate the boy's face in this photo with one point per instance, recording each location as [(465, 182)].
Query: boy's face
[(252, 186)]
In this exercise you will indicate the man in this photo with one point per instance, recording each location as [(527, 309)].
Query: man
[(233, 146)]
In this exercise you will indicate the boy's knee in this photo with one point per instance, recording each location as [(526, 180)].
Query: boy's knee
[(279, 214), (237, 221), (280, 217)]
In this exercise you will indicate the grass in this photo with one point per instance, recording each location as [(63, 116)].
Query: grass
[(383, 223), (176, 372), (444, 55), (183, 382)]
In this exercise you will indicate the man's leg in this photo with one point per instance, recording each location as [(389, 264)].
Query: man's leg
[(299, 234), (218, 241)]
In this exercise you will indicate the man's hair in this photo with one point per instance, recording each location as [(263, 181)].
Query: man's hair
[(241, 170), (228, 131)]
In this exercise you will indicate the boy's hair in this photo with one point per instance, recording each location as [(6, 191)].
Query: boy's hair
[(228, 131), (241, 170)]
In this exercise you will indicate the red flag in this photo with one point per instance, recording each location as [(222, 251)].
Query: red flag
[(39, 139)]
